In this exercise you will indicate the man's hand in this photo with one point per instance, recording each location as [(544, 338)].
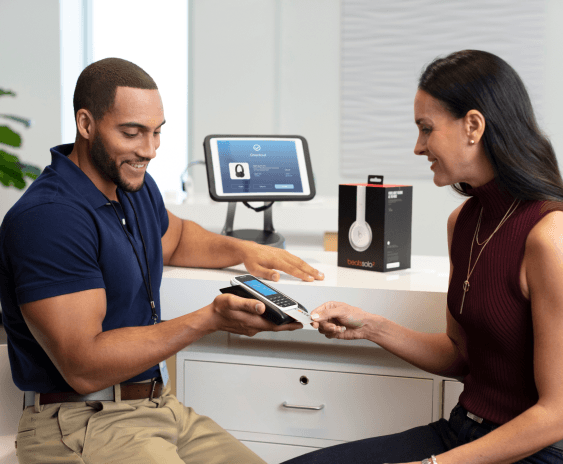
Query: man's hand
[(339, 320), (263, 261), (242, 316)]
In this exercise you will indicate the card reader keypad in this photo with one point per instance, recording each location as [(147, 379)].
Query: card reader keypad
[(281, 301)]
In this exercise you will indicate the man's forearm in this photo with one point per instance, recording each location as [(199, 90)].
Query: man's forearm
[(120, 354), (200, 248)]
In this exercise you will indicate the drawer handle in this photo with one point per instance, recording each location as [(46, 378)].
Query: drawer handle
[(297, 406)]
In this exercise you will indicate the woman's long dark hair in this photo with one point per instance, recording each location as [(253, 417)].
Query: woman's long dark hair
[(522, 157)]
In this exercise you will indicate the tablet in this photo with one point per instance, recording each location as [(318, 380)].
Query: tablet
[(258, 168)]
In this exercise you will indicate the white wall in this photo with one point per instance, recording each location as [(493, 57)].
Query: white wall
[(118, 30), (283, 76), (75, 55), (267, 67), (30, 67), (552, 122), (386, 45), (258, 66)]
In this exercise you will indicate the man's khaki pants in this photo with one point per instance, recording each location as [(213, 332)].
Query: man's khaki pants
[(160, 431)]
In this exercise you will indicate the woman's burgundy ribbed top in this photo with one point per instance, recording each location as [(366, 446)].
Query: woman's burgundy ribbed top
[(496, 316)]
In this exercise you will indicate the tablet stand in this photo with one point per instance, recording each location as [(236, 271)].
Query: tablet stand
[(268, 236)]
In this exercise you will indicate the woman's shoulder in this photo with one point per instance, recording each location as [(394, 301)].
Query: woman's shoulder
[(547, 227), (544, 243)]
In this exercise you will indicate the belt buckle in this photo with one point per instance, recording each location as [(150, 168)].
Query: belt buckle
[(153, 387), (558, 445), (474, 417)]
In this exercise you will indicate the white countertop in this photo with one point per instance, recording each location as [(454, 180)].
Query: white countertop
[(415, 297), (427, 274)]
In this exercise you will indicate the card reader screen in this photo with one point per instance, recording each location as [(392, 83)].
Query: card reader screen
[(260, 287)]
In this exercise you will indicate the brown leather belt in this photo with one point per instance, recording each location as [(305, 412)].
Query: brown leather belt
[(129, 391)]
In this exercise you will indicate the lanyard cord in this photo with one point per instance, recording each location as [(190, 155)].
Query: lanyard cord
[(148, 285)]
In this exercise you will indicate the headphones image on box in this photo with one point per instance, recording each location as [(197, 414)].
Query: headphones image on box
[(360, 232), (239, 170)]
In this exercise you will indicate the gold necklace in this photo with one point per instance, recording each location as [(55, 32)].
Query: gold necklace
[(475, 239)]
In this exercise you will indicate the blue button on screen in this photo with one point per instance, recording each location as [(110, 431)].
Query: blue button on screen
[(284, 186)]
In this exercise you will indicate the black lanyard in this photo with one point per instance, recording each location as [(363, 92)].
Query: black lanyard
[(147, 282)]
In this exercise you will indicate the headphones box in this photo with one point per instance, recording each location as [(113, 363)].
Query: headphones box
[(374, 225)]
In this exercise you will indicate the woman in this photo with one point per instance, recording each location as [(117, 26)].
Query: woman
[(504, 310)]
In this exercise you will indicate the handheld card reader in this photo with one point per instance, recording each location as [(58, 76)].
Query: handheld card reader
[(278, 305)]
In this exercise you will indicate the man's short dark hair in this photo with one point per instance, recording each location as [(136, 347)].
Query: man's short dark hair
[(97, 84)]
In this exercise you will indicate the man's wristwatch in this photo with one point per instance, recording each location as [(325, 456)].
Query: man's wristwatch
[(430, 460)]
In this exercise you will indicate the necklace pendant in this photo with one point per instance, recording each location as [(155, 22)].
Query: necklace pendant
[(465, 289)]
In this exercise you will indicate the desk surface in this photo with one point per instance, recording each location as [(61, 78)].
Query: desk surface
[(427, 274), (415, 297)]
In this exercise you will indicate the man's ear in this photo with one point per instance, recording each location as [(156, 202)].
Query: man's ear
[(475, 125), (85, 124)]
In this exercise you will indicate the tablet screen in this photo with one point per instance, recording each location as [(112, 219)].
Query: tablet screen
[(256, 167)]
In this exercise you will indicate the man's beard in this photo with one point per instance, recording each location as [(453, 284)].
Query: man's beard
[(108, 168)]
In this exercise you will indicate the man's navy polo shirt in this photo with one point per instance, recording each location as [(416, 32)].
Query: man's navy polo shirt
[(62, 237)]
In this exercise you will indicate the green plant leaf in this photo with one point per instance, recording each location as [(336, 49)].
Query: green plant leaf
[(9, 180), (8, 158), (30, 170), (10, 172), (9, 137), (10, 164), (7, 93), (26, 122)]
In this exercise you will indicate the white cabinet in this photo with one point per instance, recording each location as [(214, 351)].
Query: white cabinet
[(306, 403), (281, 411), (242, 383), (10, 409), (450, 396)]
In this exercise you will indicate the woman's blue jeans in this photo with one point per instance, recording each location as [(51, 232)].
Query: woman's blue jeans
[(417, 444)]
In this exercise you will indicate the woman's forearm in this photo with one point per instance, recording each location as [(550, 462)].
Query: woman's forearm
[(434, 353)]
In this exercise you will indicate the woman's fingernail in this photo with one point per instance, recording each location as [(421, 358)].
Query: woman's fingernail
[(257, 307), (320, 274), (342, 329), (315, 316), (275, 277)]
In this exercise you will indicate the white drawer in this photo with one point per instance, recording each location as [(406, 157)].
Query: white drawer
[(354, 406)]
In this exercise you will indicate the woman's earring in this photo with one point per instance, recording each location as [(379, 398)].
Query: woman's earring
[(472, 142)]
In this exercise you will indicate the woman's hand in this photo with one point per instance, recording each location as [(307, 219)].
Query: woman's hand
[(342, 321), (263, 261)]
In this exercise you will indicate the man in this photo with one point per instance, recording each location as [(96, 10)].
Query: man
[(81, 258)]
